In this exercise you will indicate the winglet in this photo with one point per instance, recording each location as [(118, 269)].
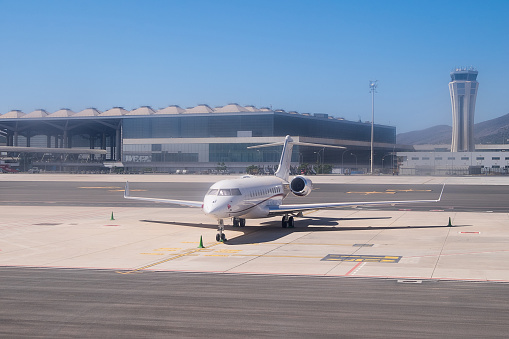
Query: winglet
[(126, 191)]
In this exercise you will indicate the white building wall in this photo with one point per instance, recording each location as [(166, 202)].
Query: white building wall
[(443, 162)]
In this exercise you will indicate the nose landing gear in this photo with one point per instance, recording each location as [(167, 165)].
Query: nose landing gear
[(220, 228)]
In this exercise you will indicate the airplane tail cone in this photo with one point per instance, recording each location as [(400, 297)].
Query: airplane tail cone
[(450, 224), (112, 216), (201, 242)]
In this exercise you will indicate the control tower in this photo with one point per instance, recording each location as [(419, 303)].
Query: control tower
[(463, 88)]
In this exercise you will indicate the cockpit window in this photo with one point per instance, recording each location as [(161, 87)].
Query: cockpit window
[(229, 192), (212, 191), (225, 192)]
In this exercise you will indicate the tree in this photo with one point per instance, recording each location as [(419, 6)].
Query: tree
[(252, 169)]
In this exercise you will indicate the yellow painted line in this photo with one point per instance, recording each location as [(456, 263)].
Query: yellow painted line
[(216, 255), (228, 251), (177, 256), (190, 242), (167, 249)]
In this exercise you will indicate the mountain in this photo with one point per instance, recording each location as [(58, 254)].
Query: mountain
[(494, 131)]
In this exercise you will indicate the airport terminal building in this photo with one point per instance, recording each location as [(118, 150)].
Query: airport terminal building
[(197, 139)]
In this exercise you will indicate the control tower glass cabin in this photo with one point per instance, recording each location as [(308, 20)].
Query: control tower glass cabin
[(463, 88)]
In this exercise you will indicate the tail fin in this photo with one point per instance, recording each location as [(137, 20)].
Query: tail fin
[(283, 170)]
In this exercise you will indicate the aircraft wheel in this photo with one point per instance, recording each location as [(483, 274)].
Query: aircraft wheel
[(223, 237), (235, 222), (218, 237), (242, 222), (291, 222), (284, 223)]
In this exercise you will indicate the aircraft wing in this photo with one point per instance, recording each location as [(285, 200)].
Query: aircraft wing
[(282, 209), (167, 201)]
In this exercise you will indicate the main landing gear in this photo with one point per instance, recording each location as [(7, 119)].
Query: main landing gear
[(220, 228), (239, 222), (287, 221)]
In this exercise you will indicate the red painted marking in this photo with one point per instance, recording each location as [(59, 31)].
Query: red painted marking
[(353, 269), (470, 232)]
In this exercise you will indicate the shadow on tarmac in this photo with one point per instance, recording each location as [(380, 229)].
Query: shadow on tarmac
[(273, 230)]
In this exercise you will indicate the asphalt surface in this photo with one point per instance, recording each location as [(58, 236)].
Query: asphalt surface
[(461, 198), (50, 303)]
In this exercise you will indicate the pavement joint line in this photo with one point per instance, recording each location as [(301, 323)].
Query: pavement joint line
[(442, 249), (254, 258)]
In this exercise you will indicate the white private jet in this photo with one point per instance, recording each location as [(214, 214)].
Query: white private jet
[(262, 197)]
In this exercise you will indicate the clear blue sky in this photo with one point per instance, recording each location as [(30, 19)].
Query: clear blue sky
[(308, 56)]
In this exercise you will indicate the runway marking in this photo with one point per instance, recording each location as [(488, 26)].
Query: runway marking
[(356, 268), (228, 251), (130, 190), (177, 256), (97, 187), (368, 193), (469, 232), (410, 190), (362, 258)]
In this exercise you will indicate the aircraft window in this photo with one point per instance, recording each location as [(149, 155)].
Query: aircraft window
[(236, 191), (212, 192), (225, 192)]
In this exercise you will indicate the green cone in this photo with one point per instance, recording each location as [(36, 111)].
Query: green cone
[(112, 216), (201, 243), (450, 224)]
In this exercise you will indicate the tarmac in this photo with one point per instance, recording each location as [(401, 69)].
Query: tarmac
[(406, 245)]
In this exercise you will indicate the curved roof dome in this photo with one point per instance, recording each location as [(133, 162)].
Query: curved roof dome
[(12, 114), (173, 109), (143, 110), (115, 111), (61, 113), (38, 113), (89, 112)]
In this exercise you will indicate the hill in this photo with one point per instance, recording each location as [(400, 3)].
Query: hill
[(494, 131)]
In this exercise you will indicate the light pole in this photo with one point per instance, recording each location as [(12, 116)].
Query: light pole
[(383, 160), (342, 162), (355, 160), (372, 89)]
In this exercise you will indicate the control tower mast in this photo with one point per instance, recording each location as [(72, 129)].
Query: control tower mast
[(463, 88)]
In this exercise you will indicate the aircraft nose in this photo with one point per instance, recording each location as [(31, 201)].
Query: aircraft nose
[(216, 209)]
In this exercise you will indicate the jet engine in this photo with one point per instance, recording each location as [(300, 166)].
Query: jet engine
[(301, 186)]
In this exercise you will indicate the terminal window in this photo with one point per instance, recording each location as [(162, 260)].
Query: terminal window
[(415, 158), (451, 158), (495, 158), (438, 158), (425, 158), (465, 158), (479, 158)]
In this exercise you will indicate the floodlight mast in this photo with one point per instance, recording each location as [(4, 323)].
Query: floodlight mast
[(372, 89)]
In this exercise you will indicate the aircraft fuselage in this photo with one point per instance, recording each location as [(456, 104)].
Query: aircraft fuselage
[(247, 197)]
